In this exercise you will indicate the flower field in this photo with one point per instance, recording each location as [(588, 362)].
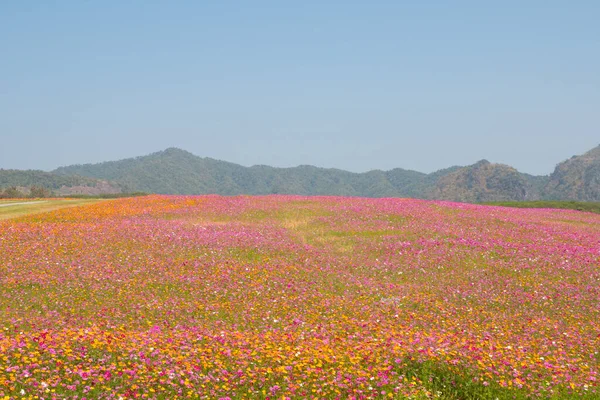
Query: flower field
[(299, 297)]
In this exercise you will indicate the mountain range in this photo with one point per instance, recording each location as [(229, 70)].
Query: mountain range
[(175, 171)]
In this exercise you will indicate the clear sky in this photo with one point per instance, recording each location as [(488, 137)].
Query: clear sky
[(356, 85)]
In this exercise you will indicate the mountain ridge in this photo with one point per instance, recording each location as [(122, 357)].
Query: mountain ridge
[(177, 171)]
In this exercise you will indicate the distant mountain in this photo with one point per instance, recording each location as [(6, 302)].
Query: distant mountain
[(421, 188), (175, 171), (484, 181), (577, 178), (58, 184)]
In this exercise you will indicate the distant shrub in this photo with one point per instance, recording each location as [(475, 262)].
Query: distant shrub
[(39, 192), (11, 193)]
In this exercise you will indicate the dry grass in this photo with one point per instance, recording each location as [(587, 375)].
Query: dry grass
[(25, 207)]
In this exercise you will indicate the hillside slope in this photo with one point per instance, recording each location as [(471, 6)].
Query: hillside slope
[(484, 181), (577, 178), (58, 184)]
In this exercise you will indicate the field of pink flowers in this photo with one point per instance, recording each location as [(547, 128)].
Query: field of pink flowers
[(299, 297)]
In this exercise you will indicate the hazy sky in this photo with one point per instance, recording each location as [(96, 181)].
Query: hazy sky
[(356, 85)]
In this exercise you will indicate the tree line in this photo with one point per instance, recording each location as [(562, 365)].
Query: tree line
[(35, 192)]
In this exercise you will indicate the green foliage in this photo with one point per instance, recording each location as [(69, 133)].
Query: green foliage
[(567, 205), (448, 384)]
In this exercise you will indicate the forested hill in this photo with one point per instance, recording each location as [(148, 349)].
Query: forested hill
[(23, 181), (175, 171)]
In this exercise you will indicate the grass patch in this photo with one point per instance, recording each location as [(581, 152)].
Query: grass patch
[(447, 384), (22, 208), (593, 207), (106, 195)]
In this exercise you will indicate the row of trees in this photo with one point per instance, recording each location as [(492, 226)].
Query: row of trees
[(32, 192)]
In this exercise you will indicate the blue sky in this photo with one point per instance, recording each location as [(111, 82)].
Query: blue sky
[(356, 85)]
